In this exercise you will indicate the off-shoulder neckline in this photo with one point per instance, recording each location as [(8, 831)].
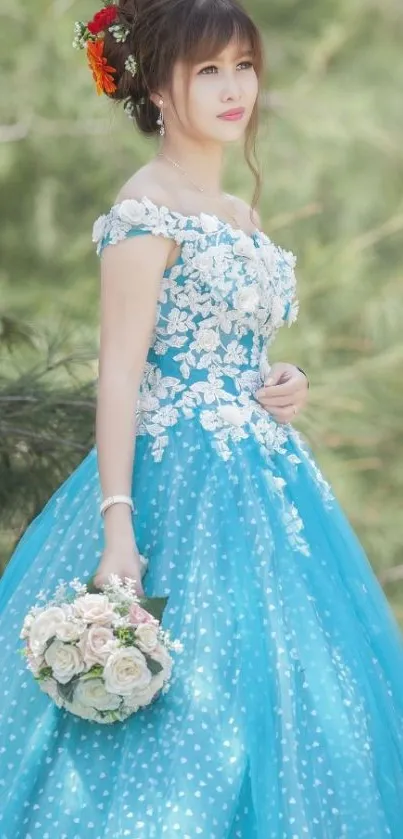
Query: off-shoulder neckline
[(195, 218)]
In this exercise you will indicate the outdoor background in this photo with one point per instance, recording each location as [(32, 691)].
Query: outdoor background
[(331, 150)]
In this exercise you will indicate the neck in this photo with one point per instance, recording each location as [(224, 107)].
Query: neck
[(203, 164)]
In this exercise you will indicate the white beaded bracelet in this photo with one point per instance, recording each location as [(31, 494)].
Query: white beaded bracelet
[(116, 499)]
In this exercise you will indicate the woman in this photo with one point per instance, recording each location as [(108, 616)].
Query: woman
[(284, 719)]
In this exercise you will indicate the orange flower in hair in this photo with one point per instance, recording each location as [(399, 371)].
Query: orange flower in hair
[(101, 70), (90, 36)]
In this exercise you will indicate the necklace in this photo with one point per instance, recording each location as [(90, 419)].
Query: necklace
[(197, 186)]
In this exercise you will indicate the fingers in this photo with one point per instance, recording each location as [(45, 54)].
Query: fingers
[(284, 415), (277, 401), (288, 388)]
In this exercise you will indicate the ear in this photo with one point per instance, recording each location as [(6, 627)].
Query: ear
[(155, 98)]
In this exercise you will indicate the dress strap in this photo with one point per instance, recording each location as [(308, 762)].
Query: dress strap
[(135, 216)]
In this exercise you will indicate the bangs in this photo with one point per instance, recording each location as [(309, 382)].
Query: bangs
[(210, 26)]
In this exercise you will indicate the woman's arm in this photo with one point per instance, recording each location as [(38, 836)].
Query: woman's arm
[(131, 273)]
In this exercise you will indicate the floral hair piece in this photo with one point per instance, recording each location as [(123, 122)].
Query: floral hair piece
[(90, 36)]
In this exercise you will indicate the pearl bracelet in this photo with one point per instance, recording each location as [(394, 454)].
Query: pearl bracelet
[(116, 499)]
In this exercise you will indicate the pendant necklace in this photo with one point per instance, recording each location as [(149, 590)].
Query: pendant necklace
[(200, 188)]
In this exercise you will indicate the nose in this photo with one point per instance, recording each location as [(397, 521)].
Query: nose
[(232, 87)]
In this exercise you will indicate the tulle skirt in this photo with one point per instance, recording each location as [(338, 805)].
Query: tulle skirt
[(284, 719)]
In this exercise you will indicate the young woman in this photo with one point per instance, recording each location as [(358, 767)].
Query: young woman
[(284, 719)]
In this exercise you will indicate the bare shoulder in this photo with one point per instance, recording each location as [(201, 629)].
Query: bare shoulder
[(146, 182), (245, 208)]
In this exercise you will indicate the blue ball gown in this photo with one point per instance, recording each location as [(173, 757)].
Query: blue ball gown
[(284, 719)]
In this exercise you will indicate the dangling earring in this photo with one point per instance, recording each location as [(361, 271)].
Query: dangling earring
[(160, 120)]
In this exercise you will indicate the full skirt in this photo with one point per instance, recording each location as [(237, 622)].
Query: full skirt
[(284, 718)]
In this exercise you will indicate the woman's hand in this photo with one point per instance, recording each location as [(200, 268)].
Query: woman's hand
[(123, 561), (284, 393)]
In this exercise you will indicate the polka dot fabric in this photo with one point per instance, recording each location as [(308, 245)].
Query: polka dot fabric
[(284, 719)]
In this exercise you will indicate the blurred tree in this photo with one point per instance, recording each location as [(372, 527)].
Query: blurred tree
[(331, 152)]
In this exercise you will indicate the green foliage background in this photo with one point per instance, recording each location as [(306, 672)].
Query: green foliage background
[(331, 152)]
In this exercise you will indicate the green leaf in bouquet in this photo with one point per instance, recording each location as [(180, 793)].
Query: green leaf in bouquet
[(126, 635), (153, 665), (91, 588), (67, 691), (95, 672), (154, 605), (45, 673)]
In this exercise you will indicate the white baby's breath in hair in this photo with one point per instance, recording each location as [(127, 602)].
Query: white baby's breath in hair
[(119, 32), (131, 65), (128, 107)]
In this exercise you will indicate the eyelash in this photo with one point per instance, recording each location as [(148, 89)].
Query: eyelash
[(249, 63)]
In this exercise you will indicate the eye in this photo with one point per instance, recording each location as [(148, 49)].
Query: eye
[(246, 64)]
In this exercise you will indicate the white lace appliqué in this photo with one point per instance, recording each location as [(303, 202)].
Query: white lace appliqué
[(219, 308)]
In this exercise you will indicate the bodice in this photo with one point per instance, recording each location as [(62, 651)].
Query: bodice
[(219, 307)]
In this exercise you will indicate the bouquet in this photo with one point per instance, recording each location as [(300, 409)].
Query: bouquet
[(101, 655)]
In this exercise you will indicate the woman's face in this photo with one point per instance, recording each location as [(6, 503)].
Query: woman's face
[(227, 82)]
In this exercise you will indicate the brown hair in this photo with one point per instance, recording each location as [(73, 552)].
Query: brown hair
[(164, 31)]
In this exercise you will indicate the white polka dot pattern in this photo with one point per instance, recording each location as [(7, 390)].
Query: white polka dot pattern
[(284, 719)]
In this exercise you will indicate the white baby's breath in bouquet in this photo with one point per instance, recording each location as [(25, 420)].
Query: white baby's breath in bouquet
[(102, 655)]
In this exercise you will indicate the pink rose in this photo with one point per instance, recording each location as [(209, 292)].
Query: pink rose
[(139, 615)]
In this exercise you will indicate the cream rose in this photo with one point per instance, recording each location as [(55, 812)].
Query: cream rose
[(92, 694), (96, 645), (126, 670), (161, 654), (147, 637), (49, 686), (70, 630), (35, 663), (65, 660), (140, 698), (82, 710), (94, 608), (44, 627)]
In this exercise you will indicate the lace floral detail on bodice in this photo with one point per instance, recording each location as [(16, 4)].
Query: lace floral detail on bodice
[(219, 307)]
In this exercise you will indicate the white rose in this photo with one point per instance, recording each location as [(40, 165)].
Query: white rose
[(126, 670), (131, 211), (94, 608), (208, 223), (82, 710), (247, 299), (26, 626), (207, 339), (161, 654), (96, 645), (44, 627), (35, 663), (140, 698), (65, 660), (49, 686), (70, 630), (147, 637), (92, 694)]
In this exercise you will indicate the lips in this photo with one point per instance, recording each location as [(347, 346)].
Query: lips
[(235, 113)]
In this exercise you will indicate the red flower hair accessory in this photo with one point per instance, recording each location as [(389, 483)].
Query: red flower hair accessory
[(90, 36)]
